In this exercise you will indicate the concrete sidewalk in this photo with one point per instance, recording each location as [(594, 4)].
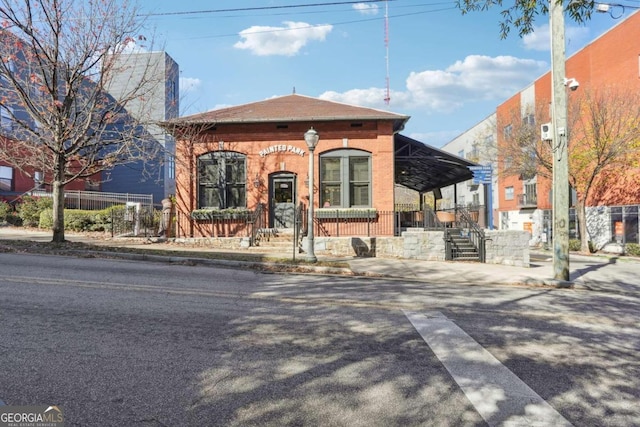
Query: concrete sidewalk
[(604, 273)]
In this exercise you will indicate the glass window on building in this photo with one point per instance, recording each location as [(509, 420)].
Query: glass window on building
[(531, 194), (6, 178), (222, 180), (6, 118), (171, 165), (507, 131), (508, 193), (630, 217), (345, 179), (624, 224)]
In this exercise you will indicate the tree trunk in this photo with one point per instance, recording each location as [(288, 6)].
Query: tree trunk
[(582, 226), (58, 200)]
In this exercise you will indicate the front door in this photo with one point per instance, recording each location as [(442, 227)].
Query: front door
[(283, 196)]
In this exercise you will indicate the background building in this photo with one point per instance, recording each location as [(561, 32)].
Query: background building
[(477, 145), (158, 74), (524, 195)]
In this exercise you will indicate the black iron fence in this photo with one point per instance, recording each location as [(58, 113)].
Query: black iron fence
[(330, 223), (134, 221)]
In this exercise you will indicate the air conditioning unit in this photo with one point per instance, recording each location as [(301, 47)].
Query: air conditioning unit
[(546, 132)]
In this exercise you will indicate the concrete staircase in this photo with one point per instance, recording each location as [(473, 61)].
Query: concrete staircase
[(462, 248), (273, 240)]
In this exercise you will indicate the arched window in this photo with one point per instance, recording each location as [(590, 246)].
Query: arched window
[(345, 179), (222, 180)]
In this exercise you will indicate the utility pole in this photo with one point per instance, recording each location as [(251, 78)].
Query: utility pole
[(560, 147)]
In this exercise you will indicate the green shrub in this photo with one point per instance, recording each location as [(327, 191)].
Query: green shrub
[(5, 210), (29, 209), (632, 249), (79, 220), (14, 219), (575, 245)]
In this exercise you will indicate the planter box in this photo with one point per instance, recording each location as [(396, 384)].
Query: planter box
[(328, 213), (445, 217), (219, 215)]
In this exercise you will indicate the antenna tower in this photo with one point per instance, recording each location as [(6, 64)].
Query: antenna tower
[(387, 96)]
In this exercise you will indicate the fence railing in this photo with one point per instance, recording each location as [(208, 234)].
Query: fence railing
[(257, 223), (97, 200), (131, 221), (330, 224), (466, 221)]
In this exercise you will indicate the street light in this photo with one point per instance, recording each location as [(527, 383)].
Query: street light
[(311, 137)]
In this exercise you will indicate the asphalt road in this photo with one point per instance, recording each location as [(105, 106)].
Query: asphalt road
[(131, 343)]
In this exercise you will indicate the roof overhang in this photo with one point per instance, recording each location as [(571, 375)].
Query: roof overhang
[(423, 168)]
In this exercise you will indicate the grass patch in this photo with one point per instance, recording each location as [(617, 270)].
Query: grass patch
[(104, 249)]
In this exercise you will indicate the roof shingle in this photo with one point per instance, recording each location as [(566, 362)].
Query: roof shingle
[(290, 108)]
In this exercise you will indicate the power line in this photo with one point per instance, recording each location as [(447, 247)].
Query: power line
[(276, 30), (243, 9)]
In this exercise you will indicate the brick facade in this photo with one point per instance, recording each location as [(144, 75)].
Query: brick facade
[(610, 61), (273, 148)]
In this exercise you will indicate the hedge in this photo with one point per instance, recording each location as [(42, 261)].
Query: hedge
[(30, 208), (81, 220), (632, 249)]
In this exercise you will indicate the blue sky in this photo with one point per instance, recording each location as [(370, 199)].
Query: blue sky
[(447, 71)]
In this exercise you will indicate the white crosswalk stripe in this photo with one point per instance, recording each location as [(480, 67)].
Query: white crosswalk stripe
[(499, 396)]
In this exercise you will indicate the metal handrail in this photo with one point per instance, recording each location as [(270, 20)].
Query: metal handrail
[(257, 224), (298, 227), (476, 234)]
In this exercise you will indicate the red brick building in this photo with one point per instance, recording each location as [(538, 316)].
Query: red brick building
[(610, 61), (244, 157)]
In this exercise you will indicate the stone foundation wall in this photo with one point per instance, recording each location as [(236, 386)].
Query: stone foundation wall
[(215, 242), (508, 247), (504, 247)]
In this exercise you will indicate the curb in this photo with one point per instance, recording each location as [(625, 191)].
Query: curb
[(264, 266)]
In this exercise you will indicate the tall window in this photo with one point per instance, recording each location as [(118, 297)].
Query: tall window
[(529, 119), (171, 165), (508, 193), (345, 179), (6, 118), (507, 131), (222, 180), (6, 178)]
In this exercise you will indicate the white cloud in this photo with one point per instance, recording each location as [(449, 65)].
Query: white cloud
[(372, 97), (540, 38), (476, 78), (130, 45), (189, 84), (285, 41), (436, 139), (366, 8)]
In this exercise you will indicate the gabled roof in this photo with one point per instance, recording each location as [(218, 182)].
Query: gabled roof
[(291, 108)]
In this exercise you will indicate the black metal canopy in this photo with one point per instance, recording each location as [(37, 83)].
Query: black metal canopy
[(423, 168)]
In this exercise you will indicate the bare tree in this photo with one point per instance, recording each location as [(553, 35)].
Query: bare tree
[(604, 143), (57, 59), (522, 152)]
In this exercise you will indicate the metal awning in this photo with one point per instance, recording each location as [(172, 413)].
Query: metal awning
[(423, 168)]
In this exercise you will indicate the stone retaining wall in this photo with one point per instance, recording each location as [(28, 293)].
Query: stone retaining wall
[(502, 247), (508, 247)]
